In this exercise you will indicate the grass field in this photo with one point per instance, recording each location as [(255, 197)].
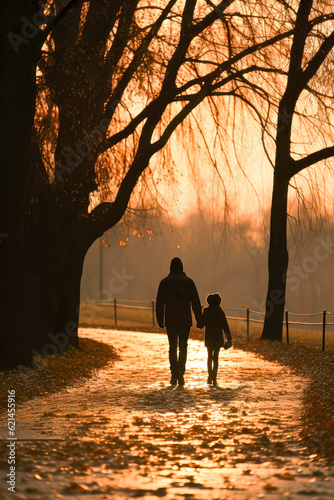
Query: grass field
[(138, 318)]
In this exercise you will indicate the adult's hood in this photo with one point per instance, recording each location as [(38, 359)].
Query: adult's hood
[(176, 266)]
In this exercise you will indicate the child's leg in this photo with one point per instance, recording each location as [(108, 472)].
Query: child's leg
[(210, 360), (215, 355), (210, 364)]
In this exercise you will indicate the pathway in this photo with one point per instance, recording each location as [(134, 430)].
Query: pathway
[(126, 433)]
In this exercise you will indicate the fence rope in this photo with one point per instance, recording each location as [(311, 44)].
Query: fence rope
[(134, 301), (109, 302), (307, 324), (305, 314), (127, 304), (239, 319), (256, 312), (124, 306), (255, 320), (234, 309)]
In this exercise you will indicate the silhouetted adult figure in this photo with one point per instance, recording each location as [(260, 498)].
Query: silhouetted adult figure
[(177, 294)]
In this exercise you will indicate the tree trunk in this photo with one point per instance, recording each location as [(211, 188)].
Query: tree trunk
[(69, 303), (278, 260), (41, 255), (17, 103), (55, 277)]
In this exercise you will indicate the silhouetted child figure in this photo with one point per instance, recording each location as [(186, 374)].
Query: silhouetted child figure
[(215, 323)]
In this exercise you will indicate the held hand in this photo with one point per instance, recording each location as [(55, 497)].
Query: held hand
[(161, 325), (200, 324)]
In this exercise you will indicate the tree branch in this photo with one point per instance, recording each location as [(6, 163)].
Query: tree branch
[(122, 35), (45, 33), (299, 39), (226, 65), (107, 214), (311, 159), (217, 12), (160, 143), (128, 130), (318, 59), (187, 34), (136, 61)]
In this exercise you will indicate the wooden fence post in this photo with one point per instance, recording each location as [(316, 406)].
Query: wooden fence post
[(287, 326), (247, 323), (323, 329), (153, 315), (115, 312)]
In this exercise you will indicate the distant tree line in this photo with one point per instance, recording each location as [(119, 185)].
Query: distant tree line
[(231, 261)]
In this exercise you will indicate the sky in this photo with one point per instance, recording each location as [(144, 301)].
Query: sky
[(245, 182), (210, 181)]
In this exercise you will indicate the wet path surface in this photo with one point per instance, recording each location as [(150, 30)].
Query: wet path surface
[(126, 433)]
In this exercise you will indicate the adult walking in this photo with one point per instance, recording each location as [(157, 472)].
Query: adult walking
[(177, 295)]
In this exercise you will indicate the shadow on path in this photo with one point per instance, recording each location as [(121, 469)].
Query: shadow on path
[(177, 399)]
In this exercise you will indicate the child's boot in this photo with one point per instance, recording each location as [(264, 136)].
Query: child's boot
[(210, 379)]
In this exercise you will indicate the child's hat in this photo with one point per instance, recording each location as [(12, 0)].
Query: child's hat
[(214, 299)]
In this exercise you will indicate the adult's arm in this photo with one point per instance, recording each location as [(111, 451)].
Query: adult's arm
[(203, 322), (160, 307), (196, 305)]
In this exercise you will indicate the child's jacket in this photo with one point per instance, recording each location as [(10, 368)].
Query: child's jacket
[(215, 323)]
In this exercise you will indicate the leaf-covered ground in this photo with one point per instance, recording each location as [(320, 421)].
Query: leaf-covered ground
[(317, 368), (54, 373), (126, 433)]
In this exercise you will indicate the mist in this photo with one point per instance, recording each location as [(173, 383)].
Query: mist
[(229, 257)]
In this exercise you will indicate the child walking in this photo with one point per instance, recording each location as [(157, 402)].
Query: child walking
[(215, 323)]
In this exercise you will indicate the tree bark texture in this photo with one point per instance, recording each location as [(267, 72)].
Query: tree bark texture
[(277, 260), (17, 105)]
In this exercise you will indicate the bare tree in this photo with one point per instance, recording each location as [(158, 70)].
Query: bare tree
[(21, 41), (96, 63), (292, 100), (115, 79), (311, 51)]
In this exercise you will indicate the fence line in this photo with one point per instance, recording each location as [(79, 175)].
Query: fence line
[(142, 308), (128, 304), (256, 312), (234, 309), (304, 314)]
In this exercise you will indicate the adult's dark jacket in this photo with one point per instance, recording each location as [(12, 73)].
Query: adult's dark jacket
[(177, 294)]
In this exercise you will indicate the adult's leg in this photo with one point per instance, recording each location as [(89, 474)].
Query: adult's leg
[(173, 363), (215, 365), (183, 345)]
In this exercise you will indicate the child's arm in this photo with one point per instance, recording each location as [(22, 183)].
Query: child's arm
[(225, 326)]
